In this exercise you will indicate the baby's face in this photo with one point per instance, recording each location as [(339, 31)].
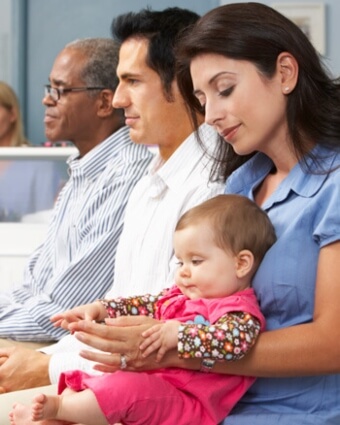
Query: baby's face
[(204, 270)]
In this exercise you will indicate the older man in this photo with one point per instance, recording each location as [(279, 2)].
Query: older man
[(76, 261)]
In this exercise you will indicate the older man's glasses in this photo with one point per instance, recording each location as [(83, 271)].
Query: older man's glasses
[(55, 93)]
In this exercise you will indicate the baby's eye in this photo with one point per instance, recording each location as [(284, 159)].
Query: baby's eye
[(179, 263), (196, 262)]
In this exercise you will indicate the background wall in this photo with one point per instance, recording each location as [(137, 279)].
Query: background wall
[(43, 27)]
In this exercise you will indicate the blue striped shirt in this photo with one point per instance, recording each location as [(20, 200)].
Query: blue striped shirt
[(75, 264)]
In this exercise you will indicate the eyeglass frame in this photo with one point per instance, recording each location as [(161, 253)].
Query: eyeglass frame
[(61, 90)]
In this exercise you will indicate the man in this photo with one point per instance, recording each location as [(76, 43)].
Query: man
[(76, 261), (178, 177)]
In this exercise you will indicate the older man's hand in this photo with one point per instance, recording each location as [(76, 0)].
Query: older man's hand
[(22, 368)]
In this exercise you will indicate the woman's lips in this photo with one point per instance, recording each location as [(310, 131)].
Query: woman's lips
[(230, 132)]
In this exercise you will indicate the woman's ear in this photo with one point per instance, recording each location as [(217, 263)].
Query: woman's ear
[(288, 70), (244, 263)]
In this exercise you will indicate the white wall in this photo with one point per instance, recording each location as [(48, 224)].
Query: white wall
[(17, 242), (5, 38), (47, 25)]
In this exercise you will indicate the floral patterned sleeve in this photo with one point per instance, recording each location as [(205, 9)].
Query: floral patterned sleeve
[(228, 339), (143, 305)]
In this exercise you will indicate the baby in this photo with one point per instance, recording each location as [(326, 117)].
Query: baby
[(210, 313)]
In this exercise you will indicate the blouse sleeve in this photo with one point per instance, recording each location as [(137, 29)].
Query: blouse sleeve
[(228, 339), (142, 305)]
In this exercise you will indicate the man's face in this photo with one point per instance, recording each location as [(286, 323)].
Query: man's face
[(151, 117), (72, 116)]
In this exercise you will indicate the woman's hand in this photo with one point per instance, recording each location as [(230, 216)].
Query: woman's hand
[(94, 311), (121, 336)]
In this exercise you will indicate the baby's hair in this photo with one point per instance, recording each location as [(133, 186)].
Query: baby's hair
[(237, 223)]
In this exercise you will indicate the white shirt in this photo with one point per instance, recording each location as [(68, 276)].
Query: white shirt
[(145, 249)]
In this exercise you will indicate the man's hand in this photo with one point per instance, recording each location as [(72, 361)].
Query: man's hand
[(22, 368)]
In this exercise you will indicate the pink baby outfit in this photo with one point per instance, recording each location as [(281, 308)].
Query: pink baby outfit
[(172, 396)]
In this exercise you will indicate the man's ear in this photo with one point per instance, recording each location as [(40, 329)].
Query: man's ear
[(105, 107), (288, 70), (244, 263)]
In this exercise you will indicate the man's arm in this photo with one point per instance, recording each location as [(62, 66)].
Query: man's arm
[(89, 276), (25, 312)]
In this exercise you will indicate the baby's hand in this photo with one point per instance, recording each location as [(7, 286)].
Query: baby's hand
[(161, 338), (94, 311)]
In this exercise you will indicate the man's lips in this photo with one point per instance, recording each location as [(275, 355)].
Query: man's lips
[(48, 118), (129, 120), (229, 132)]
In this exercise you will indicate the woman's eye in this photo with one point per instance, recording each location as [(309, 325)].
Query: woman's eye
[(226, 92)]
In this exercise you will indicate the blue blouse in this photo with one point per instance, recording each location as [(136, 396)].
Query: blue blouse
[(305, 211)]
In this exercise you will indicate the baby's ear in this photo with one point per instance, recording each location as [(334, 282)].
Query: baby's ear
[(244, 263)]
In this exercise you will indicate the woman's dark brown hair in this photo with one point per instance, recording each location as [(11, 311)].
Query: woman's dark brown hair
[(257, 33)]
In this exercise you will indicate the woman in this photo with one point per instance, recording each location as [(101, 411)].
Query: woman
[(26, 186), (264, 89), (11, 127)]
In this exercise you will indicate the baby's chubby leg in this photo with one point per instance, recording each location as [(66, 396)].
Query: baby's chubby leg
[(70, 407), (45, 407), (22, 415), (73, 407)]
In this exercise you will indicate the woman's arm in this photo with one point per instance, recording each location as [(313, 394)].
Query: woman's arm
[(306, 349)]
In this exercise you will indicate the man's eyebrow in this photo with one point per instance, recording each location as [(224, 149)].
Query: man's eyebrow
[(127, 75), (56, 81)]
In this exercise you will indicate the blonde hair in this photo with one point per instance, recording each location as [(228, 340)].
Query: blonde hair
[(9, 100)]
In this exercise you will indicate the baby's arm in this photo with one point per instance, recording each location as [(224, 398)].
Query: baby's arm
[(162, 337), (230, 338), (101, 309), (141, 305)]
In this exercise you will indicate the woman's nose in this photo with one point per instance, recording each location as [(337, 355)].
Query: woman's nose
[(212, 114)]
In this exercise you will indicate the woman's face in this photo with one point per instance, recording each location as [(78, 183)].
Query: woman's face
[(7, 117), (247, 109)]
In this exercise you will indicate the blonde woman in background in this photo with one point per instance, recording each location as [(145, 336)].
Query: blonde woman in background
[(26, 186), (11, 126)]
